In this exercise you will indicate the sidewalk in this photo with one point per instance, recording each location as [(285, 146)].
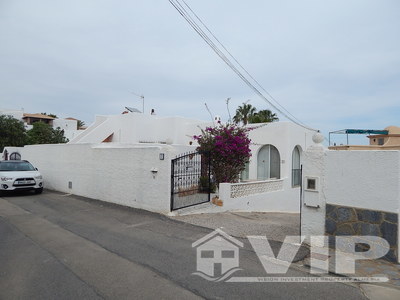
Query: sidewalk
[(276, 226), (364, 268), (369, 268)]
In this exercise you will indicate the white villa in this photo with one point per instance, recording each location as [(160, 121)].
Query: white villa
[(126, 159), (276, 147)]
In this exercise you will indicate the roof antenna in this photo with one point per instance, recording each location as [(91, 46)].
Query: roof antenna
[(141, 97), (212, 119)]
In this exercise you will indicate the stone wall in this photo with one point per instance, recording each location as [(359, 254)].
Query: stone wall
[(344, 220)]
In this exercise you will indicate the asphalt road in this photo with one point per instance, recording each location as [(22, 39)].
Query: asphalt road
[(55, 246)]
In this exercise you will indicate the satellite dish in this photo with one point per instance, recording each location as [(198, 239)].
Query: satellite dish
[(132, 109)]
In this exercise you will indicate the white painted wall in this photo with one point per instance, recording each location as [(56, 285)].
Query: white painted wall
[(365, 179), (133, 128), (65, 124), (314, 202), (285, 136), (71, 134), (113, 173), (285, 200), (69, 127), (361, 179), (144, 130)]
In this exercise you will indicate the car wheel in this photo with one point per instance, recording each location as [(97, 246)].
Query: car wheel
[(38, 191)]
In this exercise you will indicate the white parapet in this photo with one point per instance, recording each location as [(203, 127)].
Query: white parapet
[(244, 189), (274, 195)]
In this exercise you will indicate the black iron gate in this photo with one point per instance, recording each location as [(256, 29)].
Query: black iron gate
[(191, 181)]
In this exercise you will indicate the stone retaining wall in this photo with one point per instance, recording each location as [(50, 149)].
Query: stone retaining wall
[(343, 220)]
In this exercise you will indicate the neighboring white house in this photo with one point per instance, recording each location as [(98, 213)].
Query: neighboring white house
[(68, 125)]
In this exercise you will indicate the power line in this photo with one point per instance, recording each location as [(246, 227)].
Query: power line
[(239, 64), (198, 29), (184, 13)]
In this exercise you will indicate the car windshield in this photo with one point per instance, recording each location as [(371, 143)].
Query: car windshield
[(16, 166)]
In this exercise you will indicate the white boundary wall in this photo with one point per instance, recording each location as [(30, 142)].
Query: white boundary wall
[(365, 179), (264, 196), (117, 174)]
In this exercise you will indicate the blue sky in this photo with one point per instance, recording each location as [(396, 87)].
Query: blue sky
[(332, 64)]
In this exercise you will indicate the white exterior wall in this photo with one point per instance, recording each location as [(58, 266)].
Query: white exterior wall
[(360, 179), (135, 128), (118, 174), (146, 130), (71, 134), (285, 136), (65, 124), (314, 202), (364, 179), (69, 127), (285, 199)]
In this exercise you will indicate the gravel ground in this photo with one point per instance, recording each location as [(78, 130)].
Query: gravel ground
[(241, 224)]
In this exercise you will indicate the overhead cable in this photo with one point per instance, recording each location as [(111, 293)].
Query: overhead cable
[(192, 22)]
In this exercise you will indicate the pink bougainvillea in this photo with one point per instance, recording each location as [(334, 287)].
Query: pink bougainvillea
[(228, 147)]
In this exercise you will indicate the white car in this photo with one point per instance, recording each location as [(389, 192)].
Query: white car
[(19, 175)]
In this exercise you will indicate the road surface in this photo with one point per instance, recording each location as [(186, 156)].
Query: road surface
[(56, 246)]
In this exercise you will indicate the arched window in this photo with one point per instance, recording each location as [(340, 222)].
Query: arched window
[(15, 156), (268, 163), (296, 167)]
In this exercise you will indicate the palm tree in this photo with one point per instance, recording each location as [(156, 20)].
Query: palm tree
[(263, 116), (244, 113), (80, 124)]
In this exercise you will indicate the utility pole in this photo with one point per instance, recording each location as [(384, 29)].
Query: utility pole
[(141, 97)]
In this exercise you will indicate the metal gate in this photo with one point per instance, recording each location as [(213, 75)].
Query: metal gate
[(191, 182)]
